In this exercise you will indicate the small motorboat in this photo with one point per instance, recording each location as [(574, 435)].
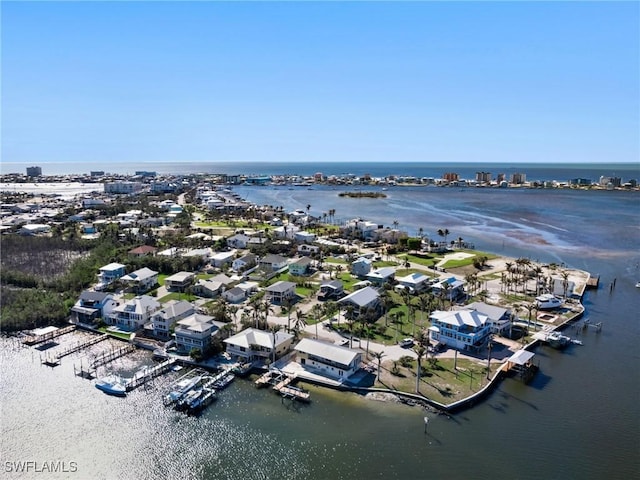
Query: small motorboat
[(112, 385)]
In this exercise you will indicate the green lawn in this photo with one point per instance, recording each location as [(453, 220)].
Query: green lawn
[(178, 296), (439, 380)]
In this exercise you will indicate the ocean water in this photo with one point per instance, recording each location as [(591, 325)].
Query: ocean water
[(578, 418), (534, 171)]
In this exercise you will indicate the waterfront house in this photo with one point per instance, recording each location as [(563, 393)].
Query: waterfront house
[(234, 295), (143, 251), (272, 263), (380, 276), (109, 274), (92, 306), (331, 289), (361, 267), (361, 300), (173, 311), (252, 344), (134, 313), (244, 262), (499, 318), (141, 280), (415, 282), (460, 329), (195, 331), (327, 359), (279, 291), (179, 281), (301, 266)]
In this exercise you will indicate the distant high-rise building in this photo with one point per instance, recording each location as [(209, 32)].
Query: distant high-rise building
[(34, 171), (97, 173), (613, 181), (500, 178), (518, 178), (451, 177), (145, 173), (483, 177)]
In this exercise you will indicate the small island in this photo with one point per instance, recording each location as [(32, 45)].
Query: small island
[(362, 194)]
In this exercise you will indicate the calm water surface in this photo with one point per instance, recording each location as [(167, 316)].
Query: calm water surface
[(578, 418)]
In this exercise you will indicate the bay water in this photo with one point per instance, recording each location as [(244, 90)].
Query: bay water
[(578, 418)]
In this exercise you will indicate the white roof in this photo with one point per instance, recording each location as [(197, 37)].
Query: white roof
[(521, 357), (112, 266), (327, 351), (362, 297), (180, 276), (252, 336), (459, 318), (140, 275)]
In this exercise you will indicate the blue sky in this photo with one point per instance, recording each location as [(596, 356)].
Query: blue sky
[(312, 82)]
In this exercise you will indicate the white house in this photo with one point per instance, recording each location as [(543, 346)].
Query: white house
[(499, 318), (361, 267), (273, 263), (141, 280), (253, 344), (208, 288), (246, 261), (415, 282), (380, 276), (234, 295), (134, 313), (304, 237), (239, 240), (93, 305), (280, 291), (327, 359), (461, 329), (179, 281), (367, 297), (195, 331), (173, 311), (221, 259), (450, 288)]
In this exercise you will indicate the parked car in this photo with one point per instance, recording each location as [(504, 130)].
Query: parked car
[(406, 343)]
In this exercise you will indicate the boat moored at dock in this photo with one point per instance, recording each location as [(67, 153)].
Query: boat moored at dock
[(112, 385)]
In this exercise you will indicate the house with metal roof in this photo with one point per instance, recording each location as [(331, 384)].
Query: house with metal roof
[(301, 266), (134, 313), (361, 267), (499, 318), (179, 281), (252, 344), (279, 291), (380, 276), (367, 297), (327, 359), (195, 331), (92, 306), (172, 312), (460, 329), (141, 280), (415, 282)]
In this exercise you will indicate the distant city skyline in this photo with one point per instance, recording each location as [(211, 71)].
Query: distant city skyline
[(319, 82)]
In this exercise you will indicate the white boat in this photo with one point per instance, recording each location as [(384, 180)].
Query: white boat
[(638, 285), (557, 340), (112, 385), (548, 301)]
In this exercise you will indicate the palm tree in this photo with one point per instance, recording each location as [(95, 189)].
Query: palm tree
[(565, 282), (378, 356), (316, 313), (287, 304), (530, 307), (424, 302), (419, 349), (300, 322)]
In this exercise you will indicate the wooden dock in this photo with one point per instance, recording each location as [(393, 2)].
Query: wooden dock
[(55, 360), (112, 355), (281, 383), (36, 339), (142, 377), (593, 281)]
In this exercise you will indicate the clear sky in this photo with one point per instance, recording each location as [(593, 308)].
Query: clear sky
[(328, 81)]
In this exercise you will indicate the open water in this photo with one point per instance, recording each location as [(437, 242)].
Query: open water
[(578, 418)]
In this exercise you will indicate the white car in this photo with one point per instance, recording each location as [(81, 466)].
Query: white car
[(406, 343)]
